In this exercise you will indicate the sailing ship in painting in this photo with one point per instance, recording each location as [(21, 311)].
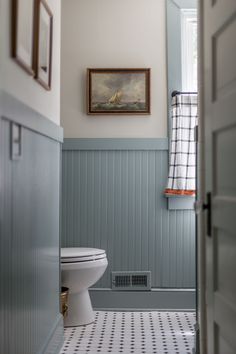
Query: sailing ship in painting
[(116, 98), (115, 102)]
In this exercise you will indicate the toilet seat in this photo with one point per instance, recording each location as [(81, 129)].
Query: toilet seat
[(81, 254)]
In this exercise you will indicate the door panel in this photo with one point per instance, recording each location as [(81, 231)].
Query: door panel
[(223, 43), (219, 115), (222, 345), (225, 169), (225, 257), (225, 318)]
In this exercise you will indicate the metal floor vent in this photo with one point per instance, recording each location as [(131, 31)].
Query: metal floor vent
[(131, 280)]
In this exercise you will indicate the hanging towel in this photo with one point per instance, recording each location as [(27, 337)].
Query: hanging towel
[(182, 167)]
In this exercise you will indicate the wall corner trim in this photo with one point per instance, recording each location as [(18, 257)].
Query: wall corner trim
[(55, 339), (115, 144)]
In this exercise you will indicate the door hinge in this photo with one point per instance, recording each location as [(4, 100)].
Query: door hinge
[(197, 206)]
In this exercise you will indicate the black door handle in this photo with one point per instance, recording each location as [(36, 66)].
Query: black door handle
[(207, 206)]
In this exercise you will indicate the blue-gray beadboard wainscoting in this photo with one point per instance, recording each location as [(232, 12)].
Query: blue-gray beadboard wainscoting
[(112, 198), (30, 319)]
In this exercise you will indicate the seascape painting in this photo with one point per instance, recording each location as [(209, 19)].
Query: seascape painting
[(118, 91)]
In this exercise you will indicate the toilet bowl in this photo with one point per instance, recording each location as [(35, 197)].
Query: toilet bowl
[(81, 268)]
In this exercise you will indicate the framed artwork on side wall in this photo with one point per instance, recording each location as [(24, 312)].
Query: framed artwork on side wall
[(118, 91), (43, 44), (22, 33)]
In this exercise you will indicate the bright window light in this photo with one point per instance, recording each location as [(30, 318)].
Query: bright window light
[(189, 49)]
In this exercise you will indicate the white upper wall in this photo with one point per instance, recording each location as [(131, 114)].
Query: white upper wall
[(16, 82), (112, 34)]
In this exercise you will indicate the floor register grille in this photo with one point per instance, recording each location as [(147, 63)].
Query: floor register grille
[(133, 332)]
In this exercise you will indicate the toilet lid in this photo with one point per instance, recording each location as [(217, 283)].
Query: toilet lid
[(81, 254)]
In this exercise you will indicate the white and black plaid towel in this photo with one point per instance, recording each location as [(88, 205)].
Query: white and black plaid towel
[(182, 168)]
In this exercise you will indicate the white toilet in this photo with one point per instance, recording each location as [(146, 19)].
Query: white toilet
[(81, 268)]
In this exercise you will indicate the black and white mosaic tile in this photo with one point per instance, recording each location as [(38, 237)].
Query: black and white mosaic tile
[(133, 332)]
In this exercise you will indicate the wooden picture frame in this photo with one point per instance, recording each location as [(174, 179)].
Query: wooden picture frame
[(22, 33), (118, 91), (43, 44)]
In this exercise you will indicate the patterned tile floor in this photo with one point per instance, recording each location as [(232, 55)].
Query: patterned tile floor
[(133, 332)]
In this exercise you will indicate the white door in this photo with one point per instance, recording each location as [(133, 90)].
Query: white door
[(219, 120)]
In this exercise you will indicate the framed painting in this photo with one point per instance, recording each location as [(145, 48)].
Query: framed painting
[(118, 91), (22, 33), (43, 44)]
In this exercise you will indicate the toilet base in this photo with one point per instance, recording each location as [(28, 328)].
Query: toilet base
[(80, 311)]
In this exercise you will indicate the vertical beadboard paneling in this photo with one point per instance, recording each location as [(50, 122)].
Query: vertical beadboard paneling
[(5, 238), (29, 245), (113, 199)]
